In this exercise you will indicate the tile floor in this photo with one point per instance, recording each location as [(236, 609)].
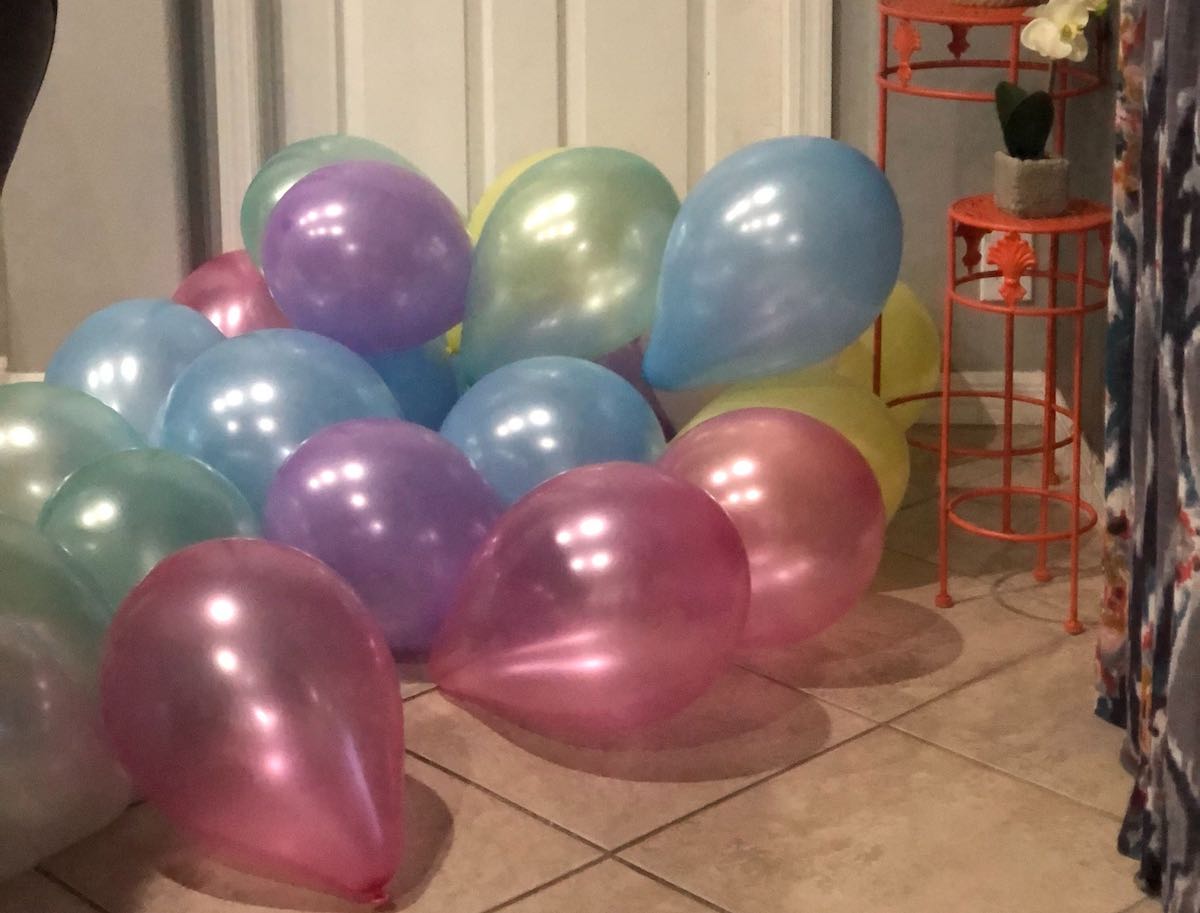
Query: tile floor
[(908, 759)]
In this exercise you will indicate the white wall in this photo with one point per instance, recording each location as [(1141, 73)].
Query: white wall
[(93, 210)]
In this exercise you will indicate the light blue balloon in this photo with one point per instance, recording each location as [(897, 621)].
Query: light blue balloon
[(532, 419), (245, 405), (130, 353), (780, 257), (422, 380)]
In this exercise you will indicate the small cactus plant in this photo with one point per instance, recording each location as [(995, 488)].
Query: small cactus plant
[(1026, 118)]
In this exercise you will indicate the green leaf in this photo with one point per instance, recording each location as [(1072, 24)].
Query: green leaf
[(1028, 125)]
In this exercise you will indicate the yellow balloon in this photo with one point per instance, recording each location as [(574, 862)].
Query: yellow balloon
[(912, 355), (494, 190), (857, 414)]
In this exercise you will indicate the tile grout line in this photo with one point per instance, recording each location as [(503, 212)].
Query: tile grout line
[(745, 788), (462, 778), (1116, 819), (558, 879), (671, 885), (63, 885)]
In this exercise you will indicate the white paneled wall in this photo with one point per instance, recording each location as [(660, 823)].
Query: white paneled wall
[(465, 87)]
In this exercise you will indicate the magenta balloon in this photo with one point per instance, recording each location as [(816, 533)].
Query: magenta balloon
[(231, 292), (608, 598), (370, 254), (808, 509), (394, 508), (251, 697)]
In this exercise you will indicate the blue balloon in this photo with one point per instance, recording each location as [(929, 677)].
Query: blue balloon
[(129, 354), (532, 419), (245, 405), (780, 257), (422, 380)]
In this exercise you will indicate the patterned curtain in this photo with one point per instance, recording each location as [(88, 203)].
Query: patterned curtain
[(1149, 650)]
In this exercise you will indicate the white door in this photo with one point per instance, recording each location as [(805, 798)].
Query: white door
[(464, 87)]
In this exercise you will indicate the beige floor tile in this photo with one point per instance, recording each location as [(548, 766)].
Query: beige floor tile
[(890, 655), (916, 580), (609, 887), (414, 680), (1149, 905), (1035, 720), (742, 729), (889, 823), (466, 851), (34, 893)]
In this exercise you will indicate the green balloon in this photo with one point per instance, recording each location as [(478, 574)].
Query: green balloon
[(568, 261), (58, 781), (46, 433), (293, 162), (121, 515)]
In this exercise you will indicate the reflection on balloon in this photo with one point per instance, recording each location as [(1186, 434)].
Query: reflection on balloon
[(568, 261), (252, 699), (392, 507), (491, 196), (129, 354), (807, 507), (231, 292), (421, 379), (290, 164), (369, 254), (58, 782), (46, 433), (781, 256), (607, 599), (244, 406), (121, 515), (858, 415), (912, 354), (533, 419)]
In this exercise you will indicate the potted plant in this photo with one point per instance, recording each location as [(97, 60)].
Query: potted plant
[(1028, 182)]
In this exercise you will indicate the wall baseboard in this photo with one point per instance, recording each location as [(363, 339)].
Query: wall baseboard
[(16, 377)]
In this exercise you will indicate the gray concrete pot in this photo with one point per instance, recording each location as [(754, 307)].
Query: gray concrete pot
[(1031, 188)]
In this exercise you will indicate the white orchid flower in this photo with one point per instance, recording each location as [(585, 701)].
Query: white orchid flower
[(1057, 29)]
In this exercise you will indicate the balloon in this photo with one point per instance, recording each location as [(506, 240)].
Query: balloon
[(244, 406), (46, 433), (568, 261), (859, 416), (491, 196), (607, 599), (421, 379), (392, 507), (780, 257), (58, 781), (252, 699), (533, 419), (129, 354), (121, 515), (807, 507), (627, 362), (231, 292), (369, 254), (912, 355), (290, 164)]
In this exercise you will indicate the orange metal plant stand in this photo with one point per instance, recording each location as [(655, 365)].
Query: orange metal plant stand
[(898, 31), (1013, 262)]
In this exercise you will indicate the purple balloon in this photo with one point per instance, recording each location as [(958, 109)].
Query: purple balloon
[(369, 254), (394, 508), (627, 362)]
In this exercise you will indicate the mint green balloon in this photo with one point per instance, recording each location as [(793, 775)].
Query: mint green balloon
[(293, 162), (46, 433), (568, 261), (121, 515), (58, 781)]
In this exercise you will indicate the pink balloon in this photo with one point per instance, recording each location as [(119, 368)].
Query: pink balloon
[(231, 292), (252, 698), (608, 598), (808, 509)]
